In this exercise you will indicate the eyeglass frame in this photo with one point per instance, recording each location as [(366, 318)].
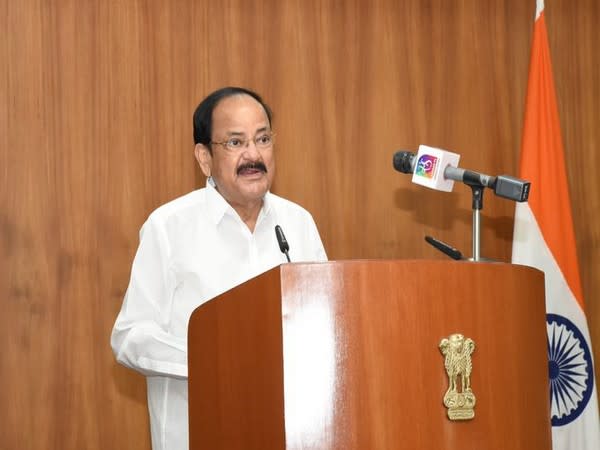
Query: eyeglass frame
[(245, 142)]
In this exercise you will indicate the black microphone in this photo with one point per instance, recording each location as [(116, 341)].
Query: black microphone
[(404, 161), (444, 248), (283, 243), (504, 185)]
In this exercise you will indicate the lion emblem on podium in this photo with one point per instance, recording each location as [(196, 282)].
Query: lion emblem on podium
[(457, 352)]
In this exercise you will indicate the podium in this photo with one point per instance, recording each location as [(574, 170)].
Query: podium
[(345, 356)]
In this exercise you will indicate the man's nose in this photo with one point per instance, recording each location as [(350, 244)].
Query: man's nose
[(251, 148)]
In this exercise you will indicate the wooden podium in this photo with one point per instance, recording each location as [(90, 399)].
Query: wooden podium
[(344, 355)]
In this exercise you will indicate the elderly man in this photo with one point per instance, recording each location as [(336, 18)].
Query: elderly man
[(202, 244)]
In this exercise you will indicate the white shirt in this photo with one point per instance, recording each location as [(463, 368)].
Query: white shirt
[(191, 250)]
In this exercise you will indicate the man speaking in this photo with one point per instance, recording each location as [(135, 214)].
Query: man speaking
[(203, 244)]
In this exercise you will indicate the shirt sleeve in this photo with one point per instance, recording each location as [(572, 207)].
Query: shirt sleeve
[(141, 338)]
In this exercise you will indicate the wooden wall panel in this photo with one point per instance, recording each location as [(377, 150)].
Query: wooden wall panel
[(95, 132)]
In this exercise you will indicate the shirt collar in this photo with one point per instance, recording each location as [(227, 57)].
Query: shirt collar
[(218, 206)]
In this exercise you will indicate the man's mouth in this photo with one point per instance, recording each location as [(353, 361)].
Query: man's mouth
[(251, 168)]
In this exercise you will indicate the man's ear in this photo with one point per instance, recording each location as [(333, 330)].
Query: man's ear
[(204, 158)]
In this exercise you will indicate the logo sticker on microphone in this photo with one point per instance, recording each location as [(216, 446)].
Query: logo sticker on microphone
[(430, 165), (426, 166)]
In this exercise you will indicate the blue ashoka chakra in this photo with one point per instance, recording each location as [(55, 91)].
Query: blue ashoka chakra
[(570, 368)]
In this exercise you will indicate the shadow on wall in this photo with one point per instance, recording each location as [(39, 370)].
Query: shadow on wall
[(447, 208)]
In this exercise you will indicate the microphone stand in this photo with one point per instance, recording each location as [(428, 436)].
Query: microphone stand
[(477, 206)]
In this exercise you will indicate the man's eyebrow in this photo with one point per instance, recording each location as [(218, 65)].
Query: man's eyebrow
[(239, 133)]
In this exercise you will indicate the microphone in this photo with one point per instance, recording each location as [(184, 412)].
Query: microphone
[(444, 248), (437, 169), (283, 243)]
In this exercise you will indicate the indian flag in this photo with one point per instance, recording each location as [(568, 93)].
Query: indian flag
[(544, 238)]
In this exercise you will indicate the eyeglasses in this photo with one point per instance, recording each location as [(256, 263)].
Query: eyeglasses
[(263, 141)]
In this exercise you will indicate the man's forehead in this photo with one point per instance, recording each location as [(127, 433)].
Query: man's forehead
[(239, 107), (239, 115)]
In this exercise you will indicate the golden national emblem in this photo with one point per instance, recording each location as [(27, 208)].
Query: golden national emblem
[(457, 352)]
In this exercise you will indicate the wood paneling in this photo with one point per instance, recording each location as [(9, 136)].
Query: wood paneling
[(95, 131)]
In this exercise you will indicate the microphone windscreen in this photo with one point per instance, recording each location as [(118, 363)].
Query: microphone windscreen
[(283, 243), (403, 161)]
